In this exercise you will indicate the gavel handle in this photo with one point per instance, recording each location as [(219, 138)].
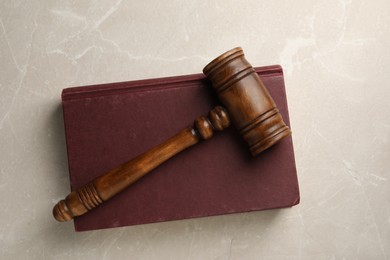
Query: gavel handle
[(104, 187)]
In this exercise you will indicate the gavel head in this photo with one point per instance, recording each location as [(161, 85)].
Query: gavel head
[(251, 108)]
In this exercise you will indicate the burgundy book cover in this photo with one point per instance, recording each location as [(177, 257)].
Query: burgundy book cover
[(109, 124)]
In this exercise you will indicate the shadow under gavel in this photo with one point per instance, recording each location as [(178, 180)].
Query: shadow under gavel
[(247, 104)]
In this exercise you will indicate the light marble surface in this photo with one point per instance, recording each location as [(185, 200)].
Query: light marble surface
[(336, 57)]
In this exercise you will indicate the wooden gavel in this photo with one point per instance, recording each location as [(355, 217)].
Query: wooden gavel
[(246, 102)]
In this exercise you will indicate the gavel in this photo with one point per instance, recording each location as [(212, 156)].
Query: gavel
[(246, 103)]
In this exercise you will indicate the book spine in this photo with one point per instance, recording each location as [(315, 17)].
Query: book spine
[(150, 84)]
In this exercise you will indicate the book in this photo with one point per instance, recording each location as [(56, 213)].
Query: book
[(109, 124)]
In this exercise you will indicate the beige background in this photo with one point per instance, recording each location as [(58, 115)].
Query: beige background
[(336, 59)]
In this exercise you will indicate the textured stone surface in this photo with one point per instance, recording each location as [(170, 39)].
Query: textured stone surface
[(336, 58)]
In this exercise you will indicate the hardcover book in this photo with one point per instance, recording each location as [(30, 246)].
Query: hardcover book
[(109, 124)]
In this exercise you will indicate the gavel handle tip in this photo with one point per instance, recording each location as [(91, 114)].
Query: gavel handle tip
[(61, 212)]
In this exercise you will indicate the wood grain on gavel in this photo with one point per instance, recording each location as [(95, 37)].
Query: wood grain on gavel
[(247, 104)]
